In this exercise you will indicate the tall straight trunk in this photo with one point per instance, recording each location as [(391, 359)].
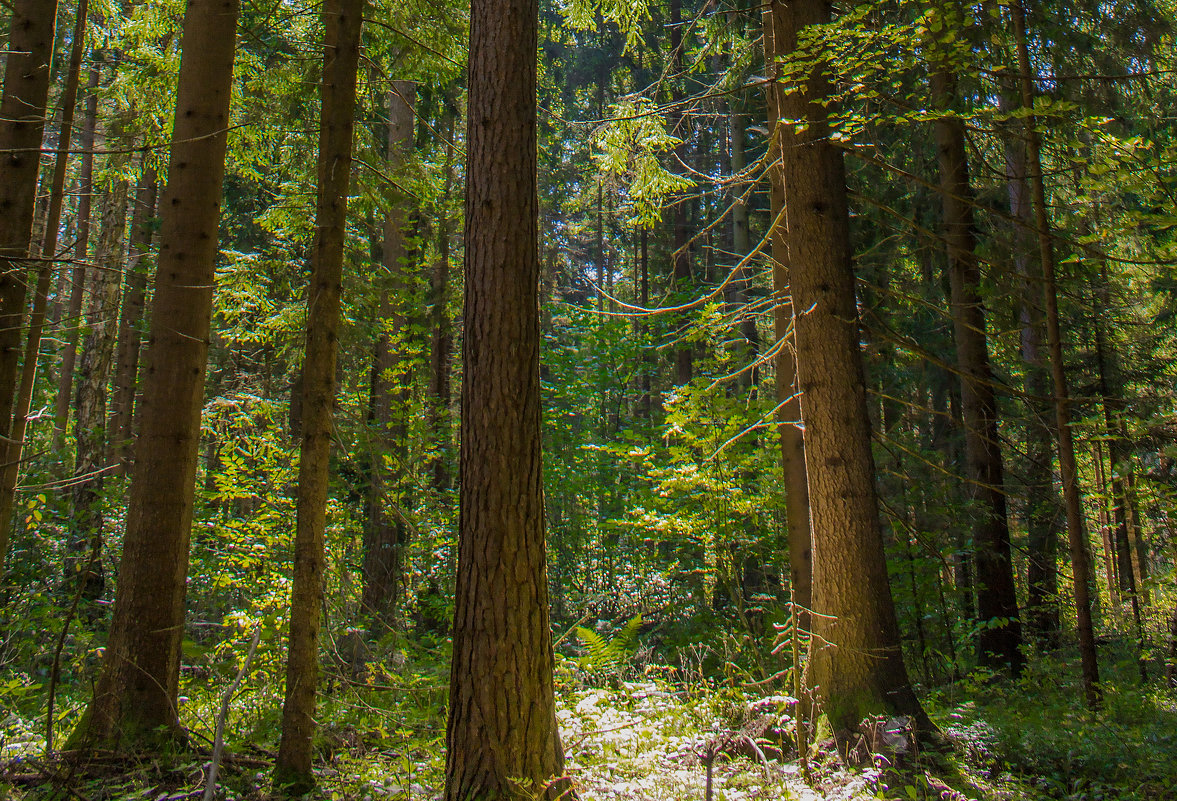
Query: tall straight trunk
[(90, 433), (72, 320), (441, 355), (788, 395), (22, 125), (11, 451), (1042, 503), (386, 534), (134, 701), (342, 22), (646, 402), (131, 321), (1105, 528), (680, 271), (1000, 639), (855, 662), (502, 740), (1072, 501)]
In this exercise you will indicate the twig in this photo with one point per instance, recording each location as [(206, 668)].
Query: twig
[(210, 786)]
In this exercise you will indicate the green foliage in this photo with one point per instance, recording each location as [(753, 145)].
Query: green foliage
[(609, 656)]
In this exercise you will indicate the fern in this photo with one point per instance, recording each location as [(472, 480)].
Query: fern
[(609, 656)]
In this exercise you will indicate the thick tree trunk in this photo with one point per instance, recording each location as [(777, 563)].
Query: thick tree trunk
[(12, 450), (1000, 639), (342, 22), (386, 535), (501, 735), (134, 701), (90, 434), (1073, 503), (131, 321), (788, 393), (855, 663), (1042, 503), (82, 226), (22, 125)]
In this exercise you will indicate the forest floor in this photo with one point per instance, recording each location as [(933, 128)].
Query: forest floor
[(649, 739)]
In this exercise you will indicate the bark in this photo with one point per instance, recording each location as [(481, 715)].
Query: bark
[(11, 451), (1042, 502), (65, 379), (342, 21), (386, 534), (22, 125), (680, 233), (131, 321), (90, 434), (1072, 500), (788, 395), (855, 664), (1000, 638), (501, 735), (134, 702)]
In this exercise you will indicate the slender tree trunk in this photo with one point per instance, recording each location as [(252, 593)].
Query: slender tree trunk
[(386, 534), (342, 21), (1042, 503), (90, 433), (1105, 529), (680, 239), (502, 740), (22, 125), (855, 663), (65, 379), (131, 321), (788, 393), (134, 701), (1000, 639), (1076, 536), (443, 337), (12, 450)]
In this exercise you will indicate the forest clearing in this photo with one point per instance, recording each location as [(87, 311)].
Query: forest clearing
[(590, 399)]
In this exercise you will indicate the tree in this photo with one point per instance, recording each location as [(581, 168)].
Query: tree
[(343, 24), (855, 664), (134, 701), (1000, 639), (22, 124), (501, 736)]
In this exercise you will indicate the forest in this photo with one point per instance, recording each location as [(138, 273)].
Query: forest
[(588, 399)]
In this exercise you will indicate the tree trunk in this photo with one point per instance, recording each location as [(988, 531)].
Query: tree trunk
[(72, 321), (855, 665), (342, 22), (90, 434), (134, 701), (1042, 503), (501, 735), (12, 451), (1076, 536), (131, 321), (680, 239), (386, 534), (788, 394), (1000, 639), (22, 125), (441, 355)]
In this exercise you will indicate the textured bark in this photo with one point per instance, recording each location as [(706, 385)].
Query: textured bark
[(788, 396), (501, 735), (90, 464), (1072, 500), (680, 271), (855, 664), (131, 321), (1042, 502), (22, 125), (65, 379), (134, 701), (11, 450), (386, 535), (342, 22), (1000, 639)]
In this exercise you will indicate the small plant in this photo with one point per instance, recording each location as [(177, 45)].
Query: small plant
[(609, 656)]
